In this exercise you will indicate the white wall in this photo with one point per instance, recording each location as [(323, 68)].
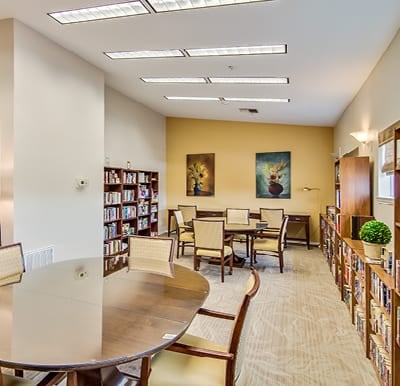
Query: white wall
[(375, 107), (6, 130), (59, 134), (134, 132)]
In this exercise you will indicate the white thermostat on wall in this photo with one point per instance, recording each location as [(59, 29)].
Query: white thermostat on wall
[(82, 182)]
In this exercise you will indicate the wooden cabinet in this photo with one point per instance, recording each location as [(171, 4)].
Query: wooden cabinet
[(352, 191), (130, 207)]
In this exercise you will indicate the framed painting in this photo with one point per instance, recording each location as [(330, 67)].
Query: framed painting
[(200, 174), (273, 175)]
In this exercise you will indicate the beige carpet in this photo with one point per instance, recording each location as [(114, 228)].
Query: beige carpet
[(302, 332)]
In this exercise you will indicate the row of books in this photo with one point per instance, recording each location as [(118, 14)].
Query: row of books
[(129, 177), (359, 291), (111, 177), (144, 191), (128, 212), (128, 195), (360, 322), (110, 230), (381, 291), (111, 198), (111, 247), (381, 360), (381, 325), (143, 178), (111, 214)]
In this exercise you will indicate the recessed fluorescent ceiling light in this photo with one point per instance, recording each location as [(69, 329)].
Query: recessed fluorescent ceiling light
[(177, 98), (250, 50), (257, 99), (269, 80), (144, 54), (174, 80), (99, 13), (177, 5)]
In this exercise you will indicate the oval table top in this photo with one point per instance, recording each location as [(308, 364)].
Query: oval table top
[(67, 316)]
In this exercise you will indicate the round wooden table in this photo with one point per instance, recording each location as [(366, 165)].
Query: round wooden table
[(68, 317)]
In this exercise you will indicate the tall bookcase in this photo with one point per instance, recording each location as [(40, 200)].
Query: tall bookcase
[(130, 208), (370, 291)]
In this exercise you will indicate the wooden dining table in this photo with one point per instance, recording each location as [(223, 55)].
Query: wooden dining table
[(67, 317), (250, 229)]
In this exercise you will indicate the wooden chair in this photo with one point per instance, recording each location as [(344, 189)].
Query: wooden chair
[(272, 216), (193, 360), (49, 380), (270, 245), (209, 244), (11, 263), (189, 212), (151, 254), (239, 216), (184, 233)]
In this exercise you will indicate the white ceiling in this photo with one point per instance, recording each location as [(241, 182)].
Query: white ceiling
[(332, 47)]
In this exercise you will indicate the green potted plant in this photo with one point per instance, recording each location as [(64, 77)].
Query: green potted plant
[(374, 235)]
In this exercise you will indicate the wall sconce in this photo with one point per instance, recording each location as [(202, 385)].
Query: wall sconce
[(307, 189), (360, 136)]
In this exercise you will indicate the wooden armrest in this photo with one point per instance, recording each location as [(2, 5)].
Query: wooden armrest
[(199, 352), (52, 379), (216, 314)]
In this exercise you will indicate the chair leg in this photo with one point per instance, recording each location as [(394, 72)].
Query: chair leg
[(183, 248), (222, 268), (177, 250), (281, 261), (145, 371)]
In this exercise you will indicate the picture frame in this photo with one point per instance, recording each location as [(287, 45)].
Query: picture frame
[(273, 175), (200, 174)]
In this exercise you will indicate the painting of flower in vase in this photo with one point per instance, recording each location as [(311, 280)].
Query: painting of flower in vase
[(273, 175), (200, 174)]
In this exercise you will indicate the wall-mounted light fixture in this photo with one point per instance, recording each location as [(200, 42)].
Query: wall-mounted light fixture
[(360, 136), (307, 189)]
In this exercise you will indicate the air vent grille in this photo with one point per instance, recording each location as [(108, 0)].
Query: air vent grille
[(251, 111)]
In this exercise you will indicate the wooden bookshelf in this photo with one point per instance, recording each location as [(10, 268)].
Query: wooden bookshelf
[(370, 291), (130, 208)]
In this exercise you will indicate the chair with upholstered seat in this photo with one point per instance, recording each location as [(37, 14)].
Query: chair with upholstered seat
[(241, 217), (151, 254), (184, 233), (193, 360), (266, 244), (209, 244)]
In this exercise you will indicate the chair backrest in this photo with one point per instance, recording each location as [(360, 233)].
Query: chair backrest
[(11, 261), (237, 216), (209, 234), (273, 216), (189, 212), (156, 248), (241, 327), (151, 254)]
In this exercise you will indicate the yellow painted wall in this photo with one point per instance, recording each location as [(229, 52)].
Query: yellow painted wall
[(235, 145)]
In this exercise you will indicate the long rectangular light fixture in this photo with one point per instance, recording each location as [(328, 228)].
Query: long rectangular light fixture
[(178, 5), (100, 13), (228, 51), (178, 98), (174, 80), (249, 80), (145, 54), (286, 100), (191, 98)]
